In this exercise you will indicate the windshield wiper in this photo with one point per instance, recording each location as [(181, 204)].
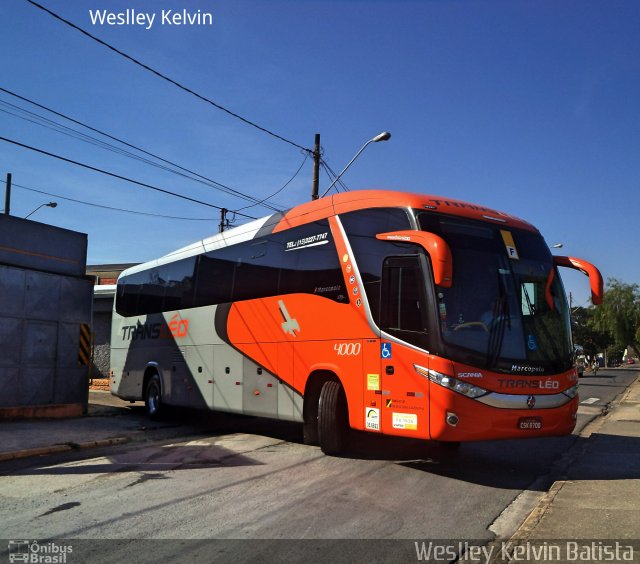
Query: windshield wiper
[(502, 318)]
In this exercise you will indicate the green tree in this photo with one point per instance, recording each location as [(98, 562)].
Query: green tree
[(619, 313), (585, 333)]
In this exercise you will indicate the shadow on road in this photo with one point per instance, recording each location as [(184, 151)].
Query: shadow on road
[(509, 464)]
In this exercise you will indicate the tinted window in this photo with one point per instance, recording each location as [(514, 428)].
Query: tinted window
[(403, 310), (310, 262), (256, 270), (361, 227), (214, 278), (179, 282), (127, 294), (300, 260)]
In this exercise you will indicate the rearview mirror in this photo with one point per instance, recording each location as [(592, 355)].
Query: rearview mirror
[(595, 278), (435, 246)]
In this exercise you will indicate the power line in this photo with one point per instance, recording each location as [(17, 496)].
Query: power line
[(306, 156), (332, 175), (89, 139), (165, 77), (14, 185), (108, 146), (114, 175)]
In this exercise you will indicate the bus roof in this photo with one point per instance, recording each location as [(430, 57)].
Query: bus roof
[(332, 205), (351, 201)]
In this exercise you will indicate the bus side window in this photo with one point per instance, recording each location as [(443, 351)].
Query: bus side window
[(310, 268), (152, 291), (179, 284), (256, 271), (214, 279), (361, 227), (127, 295)]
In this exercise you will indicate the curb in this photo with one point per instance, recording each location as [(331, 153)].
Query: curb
[(524, 531), (532, 520), (55, 449)]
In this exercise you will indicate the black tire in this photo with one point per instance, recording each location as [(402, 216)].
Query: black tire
[(310, 416), (153, 398), (333, 418), (310, 431)]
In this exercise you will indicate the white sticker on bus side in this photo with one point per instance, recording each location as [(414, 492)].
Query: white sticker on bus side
[(372, 418), (407, 421)]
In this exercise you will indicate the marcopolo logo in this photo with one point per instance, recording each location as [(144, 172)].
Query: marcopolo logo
[(36, 553)]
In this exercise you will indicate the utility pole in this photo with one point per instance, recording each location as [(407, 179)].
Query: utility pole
[(7, 195), (223, 219), (316, 168)]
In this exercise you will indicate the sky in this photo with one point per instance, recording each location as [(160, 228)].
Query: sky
[(529, 107)]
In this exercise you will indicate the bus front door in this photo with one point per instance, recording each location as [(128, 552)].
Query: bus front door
[(403, 320)]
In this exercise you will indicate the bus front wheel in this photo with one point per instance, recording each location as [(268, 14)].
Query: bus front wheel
[(333, 420), (153, 398)]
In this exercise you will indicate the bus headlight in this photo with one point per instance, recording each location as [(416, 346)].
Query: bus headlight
[(572, 392), (464, 388)]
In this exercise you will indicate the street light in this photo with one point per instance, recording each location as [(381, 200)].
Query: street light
[(384, 136), (49, 205)]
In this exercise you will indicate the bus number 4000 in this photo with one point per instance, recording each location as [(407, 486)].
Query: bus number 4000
[(347, 349)]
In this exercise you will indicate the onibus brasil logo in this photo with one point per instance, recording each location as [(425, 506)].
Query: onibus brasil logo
[(36, 553)]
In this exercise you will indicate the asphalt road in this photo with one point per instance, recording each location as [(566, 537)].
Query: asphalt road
[(221, 477)]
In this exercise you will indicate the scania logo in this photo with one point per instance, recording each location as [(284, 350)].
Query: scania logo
[(531, 402)]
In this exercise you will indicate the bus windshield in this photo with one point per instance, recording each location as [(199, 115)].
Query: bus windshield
[(506, 309)]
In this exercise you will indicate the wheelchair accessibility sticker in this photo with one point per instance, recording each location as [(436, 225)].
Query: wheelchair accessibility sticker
[(385, 350)]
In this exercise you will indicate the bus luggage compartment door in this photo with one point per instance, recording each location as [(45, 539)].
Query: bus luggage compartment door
[(260, 388)]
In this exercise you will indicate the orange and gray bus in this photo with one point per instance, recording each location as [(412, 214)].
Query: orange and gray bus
[(385, 312)]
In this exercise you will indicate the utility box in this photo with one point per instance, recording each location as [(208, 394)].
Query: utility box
[(45, 320)]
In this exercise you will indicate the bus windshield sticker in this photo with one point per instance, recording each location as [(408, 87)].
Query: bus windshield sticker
[(312, 241), (509, 244)]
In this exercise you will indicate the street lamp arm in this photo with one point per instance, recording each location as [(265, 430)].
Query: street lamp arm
[(49, 205), (384, 136)]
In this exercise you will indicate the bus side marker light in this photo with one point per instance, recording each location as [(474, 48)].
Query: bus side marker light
[(452, 419)]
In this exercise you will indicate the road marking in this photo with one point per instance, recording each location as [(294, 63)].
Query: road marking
[(589, 410), (589, 401)]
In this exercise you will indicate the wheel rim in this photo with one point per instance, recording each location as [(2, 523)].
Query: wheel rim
[(153, 399)]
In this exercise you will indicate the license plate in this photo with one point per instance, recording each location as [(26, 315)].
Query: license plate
[(530, 423)]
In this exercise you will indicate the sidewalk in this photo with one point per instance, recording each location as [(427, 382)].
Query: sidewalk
[(596, 506), (110, 421), (600, 497)]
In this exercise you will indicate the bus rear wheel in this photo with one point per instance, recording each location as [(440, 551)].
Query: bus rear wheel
[(153, 398), (333, 420)]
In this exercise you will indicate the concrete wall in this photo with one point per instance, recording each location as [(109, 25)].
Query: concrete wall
[(44, 299), (40, 317)]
